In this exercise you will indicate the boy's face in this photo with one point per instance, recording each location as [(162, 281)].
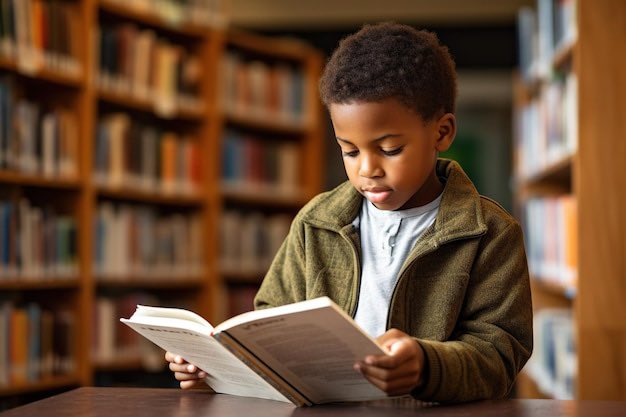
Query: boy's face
[(390, 153)]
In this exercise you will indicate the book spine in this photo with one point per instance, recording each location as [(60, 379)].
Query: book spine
[(262, 370)]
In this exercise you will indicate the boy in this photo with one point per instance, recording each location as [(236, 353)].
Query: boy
[(407, 246)]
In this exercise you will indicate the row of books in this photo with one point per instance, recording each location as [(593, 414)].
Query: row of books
[(36, 140), (547, 127), (208, 13), (543, 33), (35, 343), (249, 241), (37, 34), (553, 361), (136, 62), (139, 242), (112, 341), (257, 163), (131, 154), (550, 228), (36, 242), (261, 90)]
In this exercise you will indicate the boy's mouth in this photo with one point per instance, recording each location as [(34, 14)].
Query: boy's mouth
[(377, 195)]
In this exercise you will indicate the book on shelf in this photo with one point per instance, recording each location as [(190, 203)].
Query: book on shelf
[(136, 62), (249, 241), (250, 162), (37, 34), (550, 227), (137, 241), (138, 156), (35, 343), (259, 90), (301, 353), (36, 242), (543, 33), (547, 127), (34, 139), (552, 364)]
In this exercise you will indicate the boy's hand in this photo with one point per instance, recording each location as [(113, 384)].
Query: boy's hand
[(188, 375), (400, 371)]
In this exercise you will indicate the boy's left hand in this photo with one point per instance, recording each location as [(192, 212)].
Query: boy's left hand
[(400, 371)]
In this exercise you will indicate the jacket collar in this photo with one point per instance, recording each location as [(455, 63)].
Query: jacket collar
[(460, 213)]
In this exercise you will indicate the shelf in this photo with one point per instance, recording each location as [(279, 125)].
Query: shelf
[(16, 178), (23, 284), (563, 55), (148, 106), (559, 172), (262, 196), (123, 364), (142, 196), (553, 287), (150, 283), (282, 49), (232, 276), (185, 29), (43, 74), (42, 385), (267, 124)]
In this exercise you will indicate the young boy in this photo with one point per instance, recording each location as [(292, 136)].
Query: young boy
[(408, 247)]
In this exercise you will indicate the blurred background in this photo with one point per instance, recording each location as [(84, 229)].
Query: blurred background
[(155, 151)]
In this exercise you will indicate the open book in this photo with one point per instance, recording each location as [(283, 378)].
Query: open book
[(302, 352)]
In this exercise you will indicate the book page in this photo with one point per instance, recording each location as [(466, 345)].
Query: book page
[(227, 374), (314, 348)]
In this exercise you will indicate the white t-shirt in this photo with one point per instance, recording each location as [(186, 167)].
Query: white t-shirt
[(387, 238)]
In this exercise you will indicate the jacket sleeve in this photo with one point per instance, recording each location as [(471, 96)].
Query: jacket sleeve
[(284, 281), (492, 339)]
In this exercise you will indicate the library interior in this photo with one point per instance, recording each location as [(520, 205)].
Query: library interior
[(155, 152)]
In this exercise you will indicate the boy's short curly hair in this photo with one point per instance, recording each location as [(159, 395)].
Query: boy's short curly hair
[(391, 60)]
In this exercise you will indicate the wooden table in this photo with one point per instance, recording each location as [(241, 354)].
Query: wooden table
[(138, 402)]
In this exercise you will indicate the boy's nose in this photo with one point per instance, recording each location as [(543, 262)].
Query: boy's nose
[(369, 168)]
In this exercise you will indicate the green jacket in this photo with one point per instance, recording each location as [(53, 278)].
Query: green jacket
[(463, 292)]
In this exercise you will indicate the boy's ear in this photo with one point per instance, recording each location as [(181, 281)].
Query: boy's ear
[(446, 131)]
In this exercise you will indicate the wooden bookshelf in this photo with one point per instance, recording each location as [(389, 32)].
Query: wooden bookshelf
[(81, 195), (594, 176), (198, 114)]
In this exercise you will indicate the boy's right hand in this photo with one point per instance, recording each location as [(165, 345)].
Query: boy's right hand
[(189, 375)]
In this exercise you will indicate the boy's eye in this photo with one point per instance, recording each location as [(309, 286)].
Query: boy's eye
[(349, 153), (391, 152)]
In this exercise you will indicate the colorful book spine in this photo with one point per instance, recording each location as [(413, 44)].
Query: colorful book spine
[(547, 127), (552, 239), (136, 242), (259, 90), (139, 156), (35, 343), (249, 241), (36, 35), (136, 62), (259, 165), (34, 140), (36, 242)]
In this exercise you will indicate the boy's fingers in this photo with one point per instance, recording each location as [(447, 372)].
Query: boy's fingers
[(399, 352), (386, 374), (188, 384), (398, 386)]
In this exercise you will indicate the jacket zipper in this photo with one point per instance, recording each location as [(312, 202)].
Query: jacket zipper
[(402, 274), (357, 266)]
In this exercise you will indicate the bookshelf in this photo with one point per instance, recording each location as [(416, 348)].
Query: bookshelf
[(125, 165), (569, 190), (269, 154)]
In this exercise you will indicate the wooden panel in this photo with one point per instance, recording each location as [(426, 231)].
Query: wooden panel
[(601, 189)]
